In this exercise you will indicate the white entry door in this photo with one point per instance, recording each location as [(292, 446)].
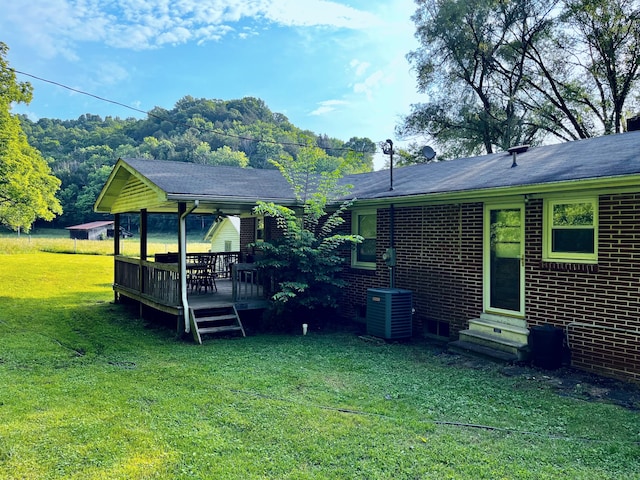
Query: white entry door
[(504, 259)]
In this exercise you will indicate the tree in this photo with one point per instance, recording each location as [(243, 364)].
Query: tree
[(27, 187), (306, 259), (226, 156), (363, 150), (500, 73), (610, 47), (469, 65)]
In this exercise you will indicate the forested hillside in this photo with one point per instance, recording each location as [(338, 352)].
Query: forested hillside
[(242, 132)]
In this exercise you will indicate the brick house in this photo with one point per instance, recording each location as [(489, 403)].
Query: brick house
[(496, 245), (492, 247)]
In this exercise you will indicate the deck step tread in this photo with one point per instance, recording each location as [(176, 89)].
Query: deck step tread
[(493, 338), (215, 318), (224, 328)]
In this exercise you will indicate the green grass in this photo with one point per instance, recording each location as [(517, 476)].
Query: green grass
[(58, 241), (89, 391)]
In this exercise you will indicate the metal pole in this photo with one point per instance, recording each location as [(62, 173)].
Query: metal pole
[(390, 164)]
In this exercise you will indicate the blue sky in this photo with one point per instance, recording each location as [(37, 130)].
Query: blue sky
[(334, 67)]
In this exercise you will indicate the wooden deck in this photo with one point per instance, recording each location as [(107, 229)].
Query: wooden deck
[(225, 295), (157, 285)]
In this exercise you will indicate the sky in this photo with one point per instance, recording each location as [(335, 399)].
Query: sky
[(335, 67)]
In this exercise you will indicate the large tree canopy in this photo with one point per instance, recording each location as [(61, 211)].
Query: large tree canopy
[(27, 187), (499, 73)]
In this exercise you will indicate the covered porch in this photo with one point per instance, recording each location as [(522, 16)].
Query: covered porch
[(158, 285), (145, 187)]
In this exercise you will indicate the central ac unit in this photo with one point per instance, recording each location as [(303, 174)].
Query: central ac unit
[(389, 313)]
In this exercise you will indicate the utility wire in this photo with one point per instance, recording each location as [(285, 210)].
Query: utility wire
[(185, 124)]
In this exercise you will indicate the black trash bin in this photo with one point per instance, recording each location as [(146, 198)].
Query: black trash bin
[(546, 342)]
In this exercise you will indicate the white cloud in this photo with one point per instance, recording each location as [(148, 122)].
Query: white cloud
[(359, 67), (327, 106), (56, 26), (317, 12), (111, 73)]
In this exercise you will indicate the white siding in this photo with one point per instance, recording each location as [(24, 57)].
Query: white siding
[(227, 230)]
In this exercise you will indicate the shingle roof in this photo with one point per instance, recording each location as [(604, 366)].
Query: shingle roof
[(195, 180), (606, 156)]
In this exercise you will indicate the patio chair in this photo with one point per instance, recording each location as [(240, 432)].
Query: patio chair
[(204, 274)]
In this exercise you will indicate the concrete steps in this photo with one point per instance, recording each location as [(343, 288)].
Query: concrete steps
[(502, 338)]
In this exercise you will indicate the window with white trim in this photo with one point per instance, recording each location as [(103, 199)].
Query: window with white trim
[(363, 223), (571, 230)]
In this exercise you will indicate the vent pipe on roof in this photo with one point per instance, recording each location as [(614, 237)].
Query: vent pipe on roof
[(514, 151)]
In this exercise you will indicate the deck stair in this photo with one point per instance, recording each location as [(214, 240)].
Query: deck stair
[(221, 318), (494, 336)]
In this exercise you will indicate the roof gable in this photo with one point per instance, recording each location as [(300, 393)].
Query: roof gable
[(126, 190), (158, 186)]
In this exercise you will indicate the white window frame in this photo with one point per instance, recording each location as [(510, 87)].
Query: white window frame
[(547, 243), (355, 214)]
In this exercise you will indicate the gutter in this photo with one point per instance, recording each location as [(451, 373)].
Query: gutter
[(176, 197), (183, 264)]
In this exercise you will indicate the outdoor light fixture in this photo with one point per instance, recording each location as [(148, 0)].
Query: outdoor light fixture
[(387, 149)]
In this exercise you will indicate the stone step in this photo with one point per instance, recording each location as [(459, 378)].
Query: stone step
[(463, 347), (507, 331), (503, 319), (499, 343)]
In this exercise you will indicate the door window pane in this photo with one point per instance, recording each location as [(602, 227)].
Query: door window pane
[(504, 259)]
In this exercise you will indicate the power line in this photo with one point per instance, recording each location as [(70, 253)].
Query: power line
[(185, 124)]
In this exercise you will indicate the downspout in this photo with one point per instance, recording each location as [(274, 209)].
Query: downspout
[(392, 268), (182, 262)]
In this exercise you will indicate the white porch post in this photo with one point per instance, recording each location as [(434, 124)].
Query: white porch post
[(182, 258)]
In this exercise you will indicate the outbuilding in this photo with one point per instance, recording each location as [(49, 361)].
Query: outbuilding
[(100, 230)]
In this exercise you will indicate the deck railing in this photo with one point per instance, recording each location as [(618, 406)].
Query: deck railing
[(221, 263), (160, 280), (246, 282)]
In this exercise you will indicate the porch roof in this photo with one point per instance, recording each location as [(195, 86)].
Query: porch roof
[(92, 225), (159, 186)]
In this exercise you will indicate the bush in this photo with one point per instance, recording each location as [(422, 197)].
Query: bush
[(305, 261)]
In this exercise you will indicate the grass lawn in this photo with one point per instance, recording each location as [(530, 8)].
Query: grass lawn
[(89, 391), (58, 241)]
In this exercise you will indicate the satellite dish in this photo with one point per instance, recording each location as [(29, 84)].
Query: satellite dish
[(429, 153)]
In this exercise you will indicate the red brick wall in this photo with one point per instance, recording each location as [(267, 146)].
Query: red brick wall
[(439, 258), (598, 305), (248, 233)]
